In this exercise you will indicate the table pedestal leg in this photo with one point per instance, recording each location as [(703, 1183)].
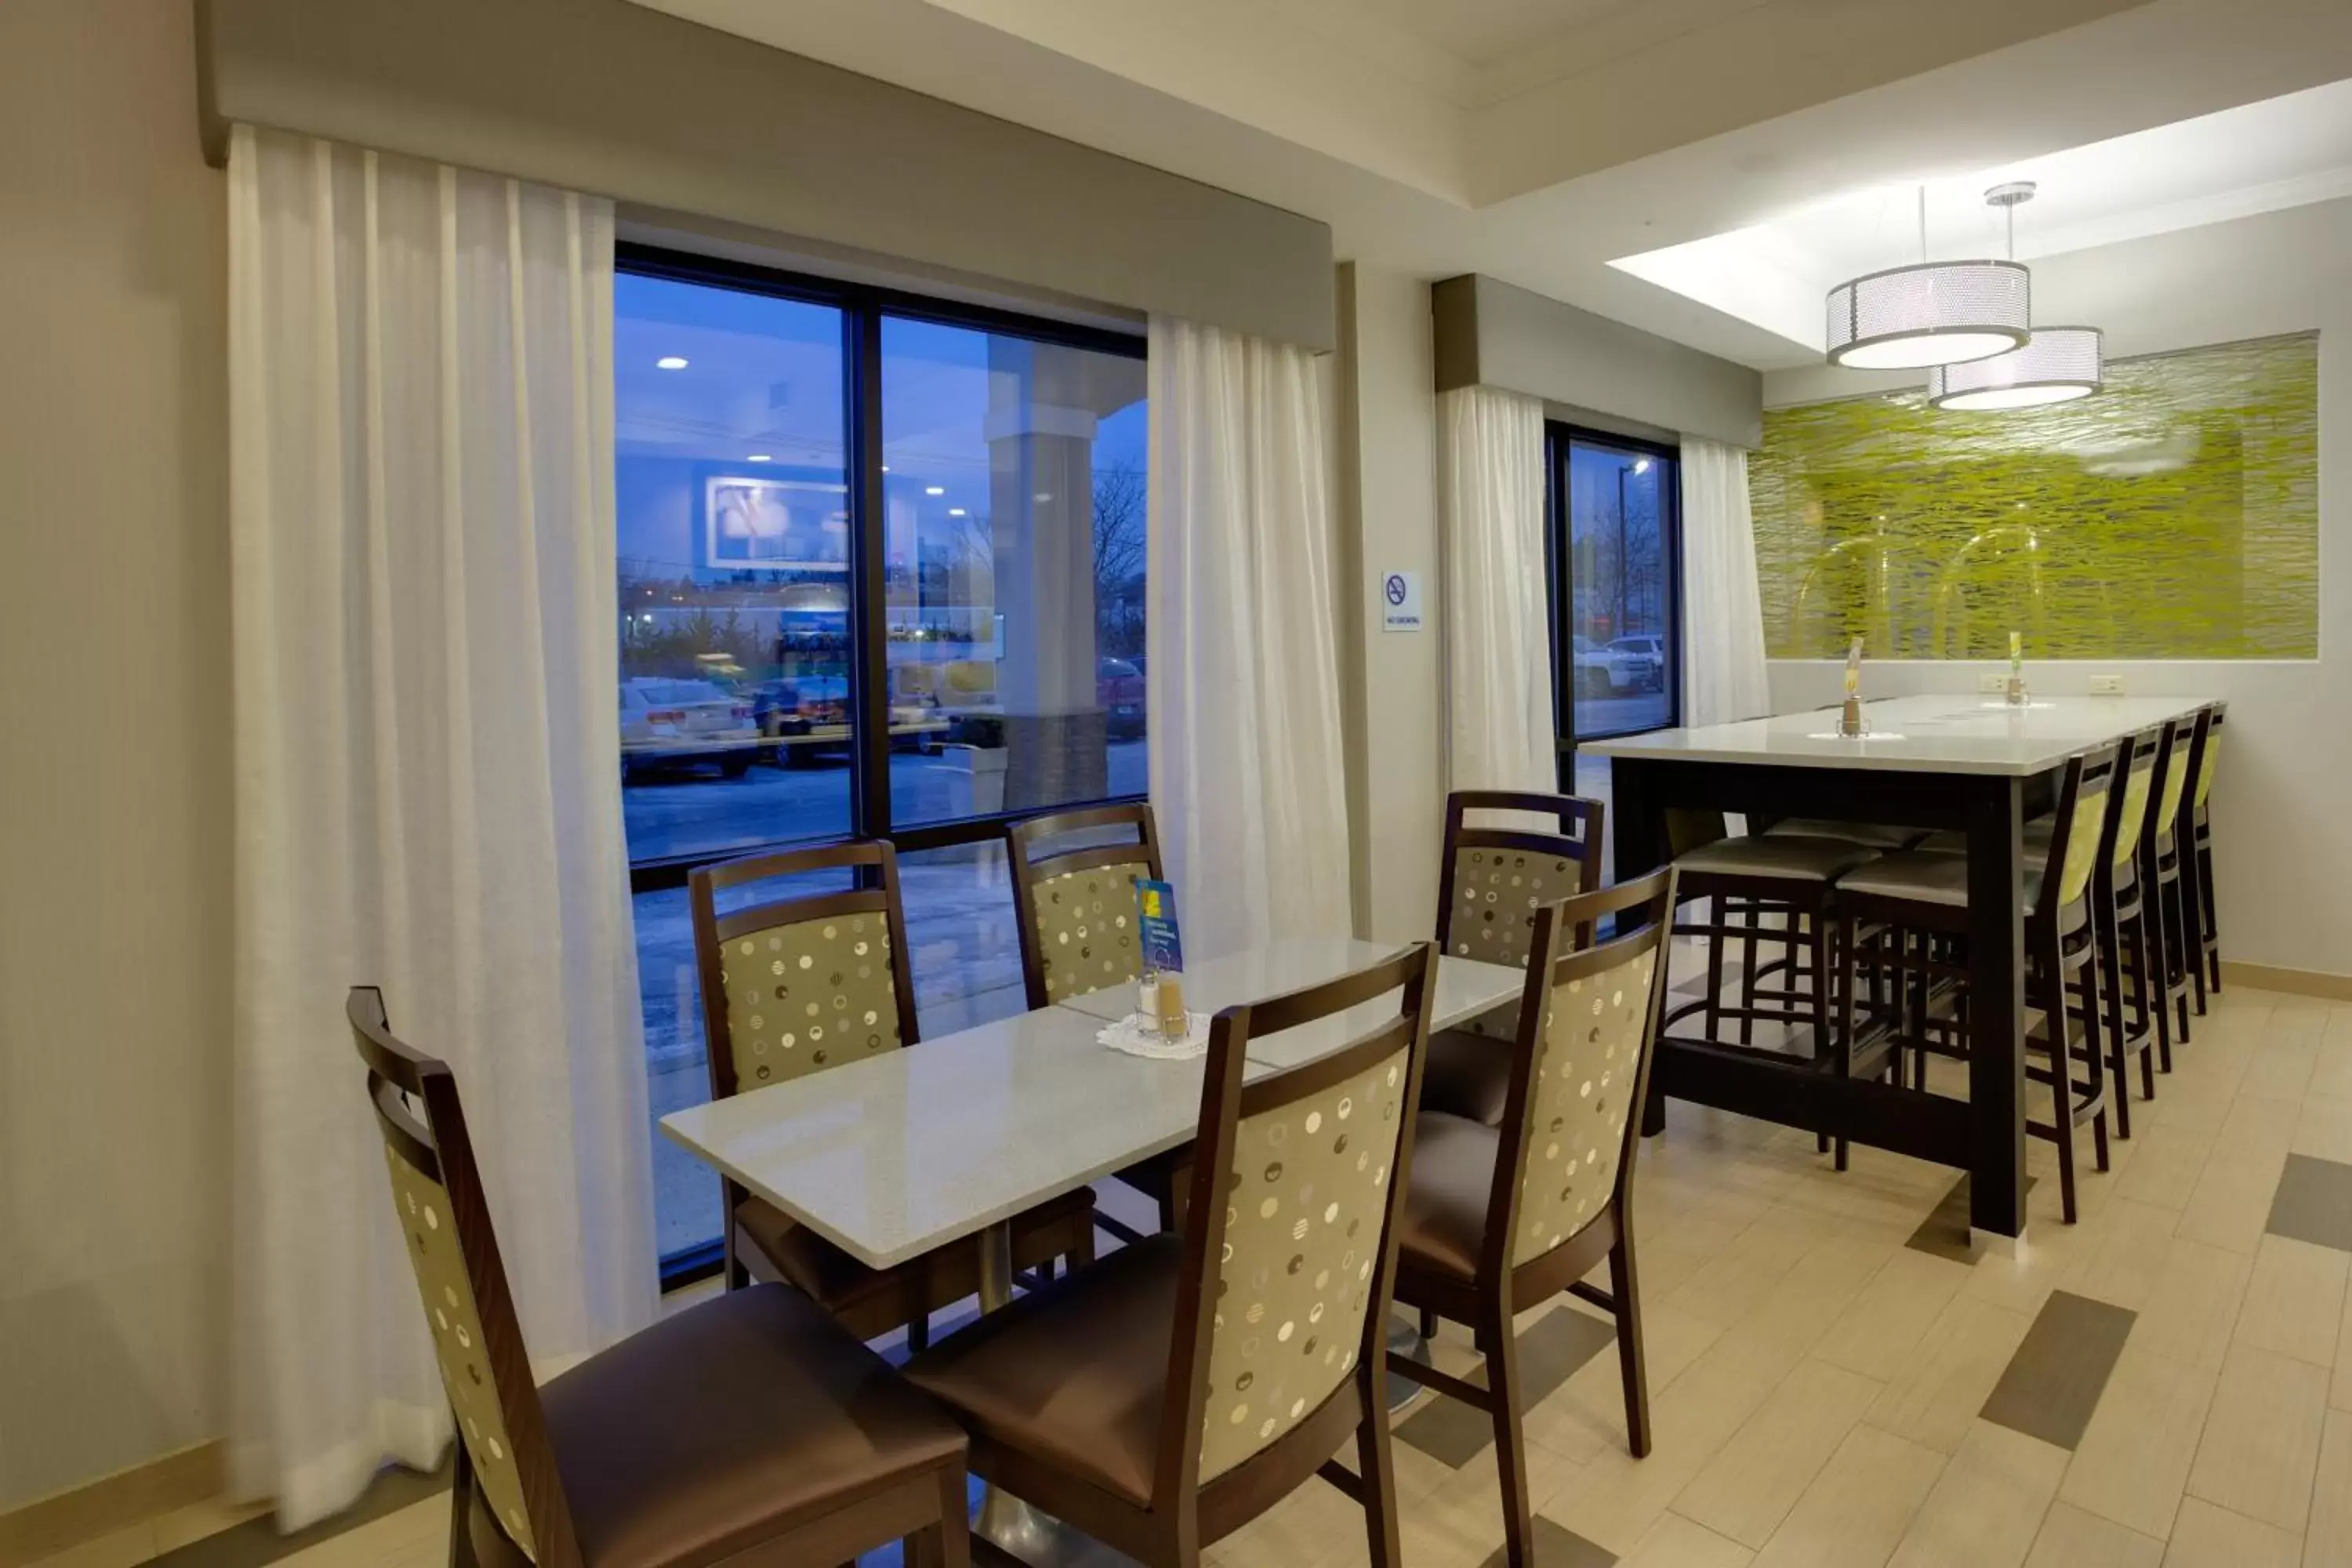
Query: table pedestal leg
[(1037, 1539)]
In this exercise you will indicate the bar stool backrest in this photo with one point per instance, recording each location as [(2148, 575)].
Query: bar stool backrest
[(797, 985), (2082, 820), (1074, 908), (1290, 1239), (1496, 878), (1587, 1022), (445, 1222), (2211, 756), (2172, 766), (2137, 754)]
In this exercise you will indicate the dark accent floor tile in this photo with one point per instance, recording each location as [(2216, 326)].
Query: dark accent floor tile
[(1945, 1232), (2053, 1384), (1557, 1546), (256, 1542), (2313, 1203), (1454, 1433)]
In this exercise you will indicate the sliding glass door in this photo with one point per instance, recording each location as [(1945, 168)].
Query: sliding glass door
[(1616, 592), (880, 565)]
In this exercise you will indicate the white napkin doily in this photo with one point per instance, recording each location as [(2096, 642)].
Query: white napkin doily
[(1141, 1037)]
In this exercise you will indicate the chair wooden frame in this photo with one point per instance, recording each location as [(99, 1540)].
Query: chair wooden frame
[(1025, 873), (925, 1511), (2200, 831), (2167, 883), (874, 864), (1489, 1302), (1579, 838), (1187, 1514), (2120, 914)]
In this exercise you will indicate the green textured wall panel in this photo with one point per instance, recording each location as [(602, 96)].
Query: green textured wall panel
[(2175, 515)]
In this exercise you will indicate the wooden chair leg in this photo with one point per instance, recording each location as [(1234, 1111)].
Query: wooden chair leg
[(919, 1333), (2107, 1013), (954, 1529), (1376, 1467), (1501, 1350), (1428, 1324), (1717, 922), (1633, 1365)]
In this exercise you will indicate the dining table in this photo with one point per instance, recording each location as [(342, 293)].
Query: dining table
[(895, 1155), (1980, 765)]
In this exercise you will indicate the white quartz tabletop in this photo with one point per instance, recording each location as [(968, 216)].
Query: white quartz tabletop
[(895, 1155), (1952, 735), (1466, 988)]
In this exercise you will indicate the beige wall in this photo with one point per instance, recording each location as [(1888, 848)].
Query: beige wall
[(114, 763), (2284, 835), (1391, 682)]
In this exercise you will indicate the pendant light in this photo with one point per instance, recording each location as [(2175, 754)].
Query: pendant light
[(1930, 313), (2058, 364)]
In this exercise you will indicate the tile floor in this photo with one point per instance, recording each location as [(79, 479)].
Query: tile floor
[(1837, 1384)]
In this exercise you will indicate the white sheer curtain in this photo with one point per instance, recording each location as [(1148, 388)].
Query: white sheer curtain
[(1499, 697), (420, 472), (1724, 675), (1243, 683)]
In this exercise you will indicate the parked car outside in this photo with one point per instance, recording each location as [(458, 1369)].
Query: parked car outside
[(1118, 692), (807, 714), (678, 723), (1592, 666), (1638, 663)]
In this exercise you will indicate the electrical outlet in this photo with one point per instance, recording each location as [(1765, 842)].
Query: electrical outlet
[(1993, 681), (2106, 686)]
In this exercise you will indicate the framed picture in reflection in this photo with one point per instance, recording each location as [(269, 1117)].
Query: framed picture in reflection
[(758, 523)]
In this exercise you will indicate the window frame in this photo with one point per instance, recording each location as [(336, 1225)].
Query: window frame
[(863, 307), (1559, 438)]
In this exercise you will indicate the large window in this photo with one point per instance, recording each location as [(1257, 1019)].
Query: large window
[(881, 575), (1614, 596)]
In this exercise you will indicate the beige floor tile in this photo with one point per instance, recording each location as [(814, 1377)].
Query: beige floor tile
[(1858, 1507), (2324, 1130), (2190, 1315), (198, 1521), (118, 1549), (2127, 1256), (2054, 1250), (1312, 1527), (2133, 1460), (2166, 1164), (1753, 1481), (1729, 1286), (2262, 1437), (2231, 1205), (1934, 1401), (1675, 1542), (2209, 1537), (2339, 1393), (1459, 1520), (1988, 1505), (2280, 1068), (1882, 1330), (2327, 1538), (2331, 1074), (2294, 1299), (2070, 1538), (1587, 1413)]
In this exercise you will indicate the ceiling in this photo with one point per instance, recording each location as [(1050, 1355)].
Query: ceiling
[(1539, 140)]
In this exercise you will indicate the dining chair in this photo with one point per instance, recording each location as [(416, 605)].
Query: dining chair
[(1491, 882), (1500, 1219), (800, 984), (1913, 907), (1163, 1398), (749, 1429), (1074, 915)]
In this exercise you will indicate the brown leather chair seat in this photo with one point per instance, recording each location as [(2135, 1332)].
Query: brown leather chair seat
[(684, 1444), (1443, 1226), (1008, 1375), (872, 1302), (1468, 1075)]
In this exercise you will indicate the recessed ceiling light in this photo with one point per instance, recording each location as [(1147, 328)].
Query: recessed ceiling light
[(955, 511), (759, 457), (935, 490), (670, 362)]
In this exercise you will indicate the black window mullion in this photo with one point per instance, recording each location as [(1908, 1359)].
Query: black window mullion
[(869, 613)]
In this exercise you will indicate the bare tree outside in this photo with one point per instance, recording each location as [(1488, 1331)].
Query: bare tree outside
[(1120, 553)]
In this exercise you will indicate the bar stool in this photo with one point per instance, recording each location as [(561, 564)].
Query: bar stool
[(1493, 880), (2200, 832), (1924, 893), (2181, 954), (2121, 924)]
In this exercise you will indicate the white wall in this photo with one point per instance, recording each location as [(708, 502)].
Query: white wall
[(2283, 835), (114, 721), (1391, 682)]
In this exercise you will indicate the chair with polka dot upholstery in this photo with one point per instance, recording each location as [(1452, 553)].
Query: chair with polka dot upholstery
[(751, 1429), (800, 983), (1173, 1392), (1492, 881), (1073, 875), (1499, 1219)]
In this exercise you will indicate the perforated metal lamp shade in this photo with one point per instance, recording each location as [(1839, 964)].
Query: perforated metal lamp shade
[(2059, 365), (1936, 312)]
